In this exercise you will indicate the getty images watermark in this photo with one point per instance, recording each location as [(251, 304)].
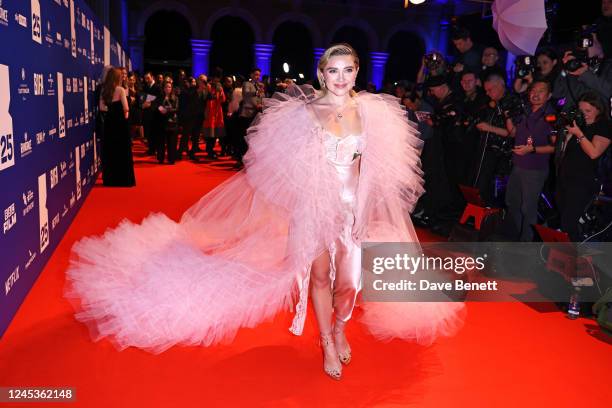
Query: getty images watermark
[(483, 271)]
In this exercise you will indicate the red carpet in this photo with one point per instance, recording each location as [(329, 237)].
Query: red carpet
[(507, 355)]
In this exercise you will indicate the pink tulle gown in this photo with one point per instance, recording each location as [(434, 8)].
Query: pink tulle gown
[(243, 252)]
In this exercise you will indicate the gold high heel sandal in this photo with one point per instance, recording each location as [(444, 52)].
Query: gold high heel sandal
[(326, 342), (344, 356)]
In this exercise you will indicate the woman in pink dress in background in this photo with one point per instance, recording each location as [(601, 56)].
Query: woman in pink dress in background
[(324, 172)]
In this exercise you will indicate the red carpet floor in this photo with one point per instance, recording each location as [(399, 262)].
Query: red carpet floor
[(507, 355)]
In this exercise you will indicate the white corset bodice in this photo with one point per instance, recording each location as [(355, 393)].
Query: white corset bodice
[(344, 154)]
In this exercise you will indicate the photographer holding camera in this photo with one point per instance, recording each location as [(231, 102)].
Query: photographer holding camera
[(494, 150), (443, 159), (547, 67), (586, 140), (530, 159)]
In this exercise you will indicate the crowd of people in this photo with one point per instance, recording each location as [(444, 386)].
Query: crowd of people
[(535, 142), (542, 130)]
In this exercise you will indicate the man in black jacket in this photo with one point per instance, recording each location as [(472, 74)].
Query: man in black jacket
[(151, 91)]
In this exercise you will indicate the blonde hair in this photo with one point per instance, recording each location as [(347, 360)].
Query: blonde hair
[(334, 51)]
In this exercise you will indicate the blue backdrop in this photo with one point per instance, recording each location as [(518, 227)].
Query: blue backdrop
[(51, 56)]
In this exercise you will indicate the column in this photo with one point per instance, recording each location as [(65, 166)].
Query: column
[(136, 51), (378, 60), (200, 50), (443, 37), (124, 22), (263, 57), (510, 58), (318, 53)]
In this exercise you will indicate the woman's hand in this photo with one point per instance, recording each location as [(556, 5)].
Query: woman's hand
[(574, 130), (522, 150)]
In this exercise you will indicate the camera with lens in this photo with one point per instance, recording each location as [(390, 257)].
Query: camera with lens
[(584, 40), (512, 106), (446, 115), (524, 65), (560, 121), (434, 61)]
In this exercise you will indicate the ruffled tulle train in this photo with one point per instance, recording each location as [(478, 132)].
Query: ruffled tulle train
[(242, 253)]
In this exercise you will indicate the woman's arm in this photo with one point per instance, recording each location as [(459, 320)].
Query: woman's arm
[(124, 102), (593, 148)]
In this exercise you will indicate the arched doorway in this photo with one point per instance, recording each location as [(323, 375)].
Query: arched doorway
[(232, 48), (406, 50), (167, 46), (358, 39), (293, 45)]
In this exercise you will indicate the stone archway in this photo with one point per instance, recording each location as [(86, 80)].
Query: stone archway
[(169, 5), (306, 21), (233, 12)]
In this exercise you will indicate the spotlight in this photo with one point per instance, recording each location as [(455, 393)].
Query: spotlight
[(301, 75), (286, 68)]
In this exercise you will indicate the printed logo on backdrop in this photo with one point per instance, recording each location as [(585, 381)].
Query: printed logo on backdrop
[(25, 146), (36, 22), (107, 47), (39, 85), (24, 87), (3, 15), (73, 49), (49, 35), (50, 85), (7, 147), (28, 202), (78, 171), (40, 137), (85, 99), (55, 221), (10, 282), (91, 42), (31, 257), (61, 116), (43, 213), (10, 218), (63, 169), (21, 20), (53, 177)]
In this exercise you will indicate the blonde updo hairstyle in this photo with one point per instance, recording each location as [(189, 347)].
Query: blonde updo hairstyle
[(334, 51)]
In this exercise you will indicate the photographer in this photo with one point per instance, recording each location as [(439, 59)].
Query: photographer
[(490, 63), (415, 107), (474, 102), (530, 159), (577, 169), (469, 53), (444, 157), (547, 68), (494, 150)]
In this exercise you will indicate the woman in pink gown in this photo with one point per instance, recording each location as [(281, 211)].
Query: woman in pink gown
[(324, 172)]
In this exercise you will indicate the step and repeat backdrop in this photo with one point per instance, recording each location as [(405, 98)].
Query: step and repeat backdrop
[(51, 56)]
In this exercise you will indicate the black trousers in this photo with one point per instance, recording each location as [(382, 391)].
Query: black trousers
[(167, 142), (240, 130), (436, 201), (192, 128), (150, 134), (573, 197)]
